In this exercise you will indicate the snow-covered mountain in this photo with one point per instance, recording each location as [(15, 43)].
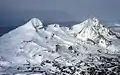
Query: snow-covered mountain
[(35, 48)]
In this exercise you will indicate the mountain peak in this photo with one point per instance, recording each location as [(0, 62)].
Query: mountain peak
[(34, 19), (92, 29), (36, 22), (91, 22), (95, 19)]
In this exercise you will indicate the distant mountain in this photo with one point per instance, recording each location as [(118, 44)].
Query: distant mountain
[(114, 26), (81, 49)]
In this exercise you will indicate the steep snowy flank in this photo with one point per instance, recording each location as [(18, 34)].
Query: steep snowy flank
[(34, 48), (92, 30), (12, 40)]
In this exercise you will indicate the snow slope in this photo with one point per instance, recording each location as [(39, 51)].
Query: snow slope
[(54, 48)]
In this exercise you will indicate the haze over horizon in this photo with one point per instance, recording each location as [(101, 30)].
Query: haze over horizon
[(15, 12)]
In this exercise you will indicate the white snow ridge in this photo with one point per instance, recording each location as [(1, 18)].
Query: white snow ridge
[(88, 48)]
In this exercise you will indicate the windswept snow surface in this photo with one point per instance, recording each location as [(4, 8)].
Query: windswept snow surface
[(37, 49)]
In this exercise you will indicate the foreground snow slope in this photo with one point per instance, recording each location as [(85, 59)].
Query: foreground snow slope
[(35, 44)]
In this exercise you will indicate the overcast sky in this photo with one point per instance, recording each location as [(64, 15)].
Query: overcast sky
[(108, 10)]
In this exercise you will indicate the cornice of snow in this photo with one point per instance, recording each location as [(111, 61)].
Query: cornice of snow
[(36, 23)]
